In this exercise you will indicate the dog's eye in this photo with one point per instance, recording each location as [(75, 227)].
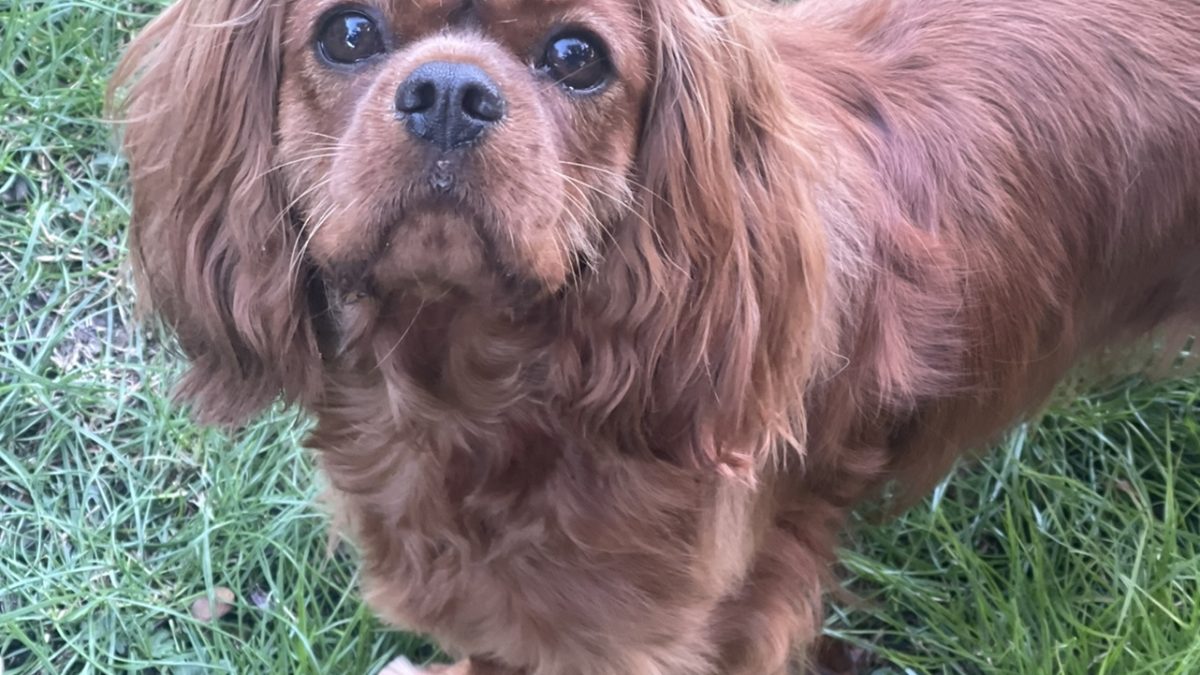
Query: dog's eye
[(577, 61), (349, 36)]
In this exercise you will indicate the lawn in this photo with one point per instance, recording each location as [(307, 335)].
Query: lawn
[(1074, 548)]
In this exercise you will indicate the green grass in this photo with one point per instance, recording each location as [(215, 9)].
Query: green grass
[(1075, 549)]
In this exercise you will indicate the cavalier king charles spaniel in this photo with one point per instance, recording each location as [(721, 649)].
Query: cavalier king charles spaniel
[(610, 311)]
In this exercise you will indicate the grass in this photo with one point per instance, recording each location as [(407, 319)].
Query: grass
[(1074, 549)]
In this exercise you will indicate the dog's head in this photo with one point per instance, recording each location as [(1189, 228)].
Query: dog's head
[(477, 147), (484, 152)]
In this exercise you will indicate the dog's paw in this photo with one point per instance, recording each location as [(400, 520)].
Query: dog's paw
[(403, 666)]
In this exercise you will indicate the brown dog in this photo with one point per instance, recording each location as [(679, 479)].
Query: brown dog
[(610, 310)]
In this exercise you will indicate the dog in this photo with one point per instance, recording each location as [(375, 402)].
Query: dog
[(610, 311)]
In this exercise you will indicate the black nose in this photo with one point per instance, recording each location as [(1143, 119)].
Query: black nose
[(449, 104)]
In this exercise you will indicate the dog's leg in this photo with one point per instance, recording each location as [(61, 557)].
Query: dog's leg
[(762, 629), (768, 626)]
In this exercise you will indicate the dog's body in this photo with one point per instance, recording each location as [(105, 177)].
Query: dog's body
[(881, 247), (1027, 172)]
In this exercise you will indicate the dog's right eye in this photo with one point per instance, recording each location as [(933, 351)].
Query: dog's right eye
[(349, 36)]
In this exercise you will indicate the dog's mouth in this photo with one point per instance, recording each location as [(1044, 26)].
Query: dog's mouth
[(442, 226), (437, 247)]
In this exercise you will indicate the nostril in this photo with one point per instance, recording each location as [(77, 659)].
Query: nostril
[(449, 104), (482, 103), (417, 96)]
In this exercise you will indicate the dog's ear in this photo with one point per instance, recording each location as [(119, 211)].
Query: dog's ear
[(729, 231), (212, 246)]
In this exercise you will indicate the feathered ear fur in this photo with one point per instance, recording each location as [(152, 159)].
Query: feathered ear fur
[(732, 290), (212, 245)]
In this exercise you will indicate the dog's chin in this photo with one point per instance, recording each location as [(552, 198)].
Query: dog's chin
[(445, 252)]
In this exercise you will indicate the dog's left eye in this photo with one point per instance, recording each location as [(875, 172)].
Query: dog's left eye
[(349, 36), (577, 61)]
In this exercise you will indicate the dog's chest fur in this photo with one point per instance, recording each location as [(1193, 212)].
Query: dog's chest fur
[(466, 524)]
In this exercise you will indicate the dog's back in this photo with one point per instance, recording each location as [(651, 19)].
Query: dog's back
[(1037, 161)]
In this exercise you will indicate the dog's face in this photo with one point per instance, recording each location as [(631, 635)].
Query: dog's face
[(619, 184), (455, 145)]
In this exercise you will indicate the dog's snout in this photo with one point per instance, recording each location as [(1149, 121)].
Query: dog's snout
[(449, 104)]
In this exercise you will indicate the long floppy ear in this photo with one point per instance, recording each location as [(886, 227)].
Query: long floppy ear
[(211, 241), (734, 237)]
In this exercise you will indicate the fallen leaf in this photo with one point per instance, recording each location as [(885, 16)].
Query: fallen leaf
[(203, 610)]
